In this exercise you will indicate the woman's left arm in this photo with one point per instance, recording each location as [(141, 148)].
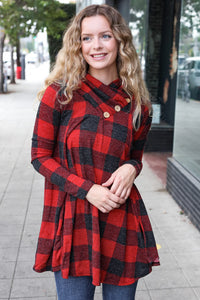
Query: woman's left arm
[(121, 181)]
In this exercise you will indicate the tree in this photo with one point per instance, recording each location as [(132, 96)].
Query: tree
[(15, 18), (2, 38), (20, 18), (137, 18), (190, 15), (55, 38), (190, 23)]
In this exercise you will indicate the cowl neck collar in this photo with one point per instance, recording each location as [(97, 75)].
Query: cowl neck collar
[(114, 84), (109, 94)]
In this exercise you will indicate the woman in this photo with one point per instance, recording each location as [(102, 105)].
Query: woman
[(88, 141)]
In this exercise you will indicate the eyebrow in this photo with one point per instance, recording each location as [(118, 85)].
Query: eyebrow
[(99, 32)]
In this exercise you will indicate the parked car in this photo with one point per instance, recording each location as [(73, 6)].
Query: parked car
[(7, 64), (181, 59), (189, 75)]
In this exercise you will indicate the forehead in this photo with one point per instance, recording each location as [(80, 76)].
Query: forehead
[(94, 24)]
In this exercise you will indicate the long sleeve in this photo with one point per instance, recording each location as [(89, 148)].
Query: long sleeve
[(139, 140), (43, 145)]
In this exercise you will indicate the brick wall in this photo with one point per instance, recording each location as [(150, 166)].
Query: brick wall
[(153, 46)]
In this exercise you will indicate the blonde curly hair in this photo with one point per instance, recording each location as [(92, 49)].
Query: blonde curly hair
[(71, 67)]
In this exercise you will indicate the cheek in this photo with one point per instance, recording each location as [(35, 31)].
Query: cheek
[(84, 50), (115, 53), (114, 48)]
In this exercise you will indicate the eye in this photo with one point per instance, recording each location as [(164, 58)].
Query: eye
[(106, 36), (86, 39)]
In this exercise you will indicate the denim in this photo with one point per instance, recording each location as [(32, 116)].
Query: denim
[(81, 288), (115, 292)]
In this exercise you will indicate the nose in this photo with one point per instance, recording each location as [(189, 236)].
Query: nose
[(97, 43)]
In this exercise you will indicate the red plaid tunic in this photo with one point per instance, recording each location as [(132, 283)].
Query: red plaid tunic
[(74, 146)]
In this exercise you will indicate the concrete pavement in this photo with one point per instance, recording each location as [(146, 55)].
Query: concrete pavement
[(21, 200)]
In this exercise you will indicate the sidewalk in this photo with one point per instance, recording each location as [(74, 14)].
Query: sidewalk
[(21, 200)]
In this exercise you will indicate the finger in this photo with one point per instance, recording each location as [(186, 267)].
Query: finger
[(108, 182), (110, 206), (114, 198), (115, 187), (113, 204), (119, 190), (103, 210), (106, 208), (124, 194), (128, 193)]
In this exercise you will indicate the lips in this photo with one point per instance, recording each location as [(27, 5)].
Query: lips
[(100, 55)]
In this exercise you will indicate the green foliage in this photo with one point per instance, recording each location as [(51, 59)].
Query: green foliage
[(20, 18), (55, 37), (190, 24), (48, 14), (137, 17), (15, 19), (190, 19)]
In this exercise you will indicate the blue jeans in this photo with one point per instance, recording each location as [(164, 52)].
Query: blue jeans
[(81, 288)]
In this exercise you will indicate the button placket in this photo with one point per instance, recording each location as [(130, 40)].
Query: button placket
[(117, 108), (106, 114)]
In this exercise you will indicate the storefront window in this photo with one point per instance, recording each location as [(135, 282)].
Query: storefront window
[(187, 118), (137, 25)]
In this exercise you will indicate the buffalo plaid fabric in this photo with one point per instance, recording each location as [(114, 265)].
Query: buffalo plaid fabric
[(78, 144)]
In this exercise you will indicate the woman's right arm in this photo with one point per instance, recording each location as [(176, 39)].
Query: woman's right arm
[(43, 142)]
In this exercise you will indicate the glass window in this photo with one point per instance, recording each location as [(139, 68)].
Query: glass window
[(137, 24), (198, 65), (187, 116), (191, 65)]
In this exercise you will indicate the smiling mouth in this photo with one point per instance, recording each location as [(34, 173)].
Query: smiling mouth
[(98, 55)]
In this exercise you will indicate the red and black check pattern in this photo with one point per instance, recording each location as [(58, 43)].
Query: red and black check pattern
[(75, 146)]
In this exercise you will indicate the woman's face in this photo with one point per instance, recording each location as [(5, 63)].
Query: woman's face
[(99, 46)]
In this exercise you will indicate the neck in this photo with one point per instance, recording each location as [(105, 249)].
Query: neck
[(106, 77)]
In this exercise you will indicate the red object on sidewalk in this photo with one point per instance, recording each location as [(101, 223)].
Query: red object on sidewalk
[(18, 72)]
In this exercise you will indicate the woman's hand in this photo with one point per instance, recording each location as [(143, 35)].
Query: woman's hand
[(121, 181), (103, 198)]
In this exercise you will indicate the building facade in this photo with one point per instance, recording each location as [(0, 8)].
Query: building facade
[(167, 38), (183, 172)]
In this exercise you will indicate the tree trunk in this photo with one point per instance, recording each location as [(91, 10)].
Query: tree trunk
[(2, 39), (18, 54), (12, 78)]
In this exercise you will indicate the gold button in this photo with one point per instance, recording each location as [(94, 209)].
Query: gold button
[(128, 100), (117, 108), (106, 114)]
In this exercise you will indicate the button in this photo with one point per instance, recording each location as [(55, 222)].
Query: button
[(128, 100), (117, 108), (106, 114)]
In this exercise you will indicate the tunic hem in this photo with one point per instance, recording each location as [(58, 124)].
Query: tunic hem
[(154, 263)]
